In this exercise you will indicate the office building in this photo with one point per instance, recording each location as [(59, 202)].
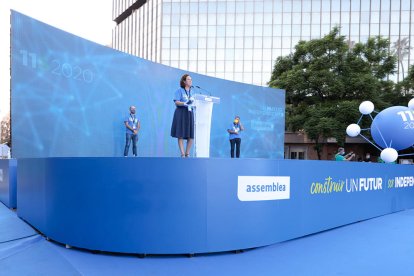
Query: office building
[(240, 40)]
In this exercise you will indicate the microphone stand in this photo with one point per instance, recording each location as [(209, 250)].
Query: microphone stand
[(203, 90)]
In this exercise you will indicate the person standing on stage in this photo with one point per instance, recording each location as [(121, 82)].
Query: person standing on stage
[(235, 137), (183, 121), (132, 125)]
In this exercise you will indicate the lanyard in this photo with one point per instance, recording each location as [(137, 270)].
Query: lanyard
[(188, 93), (133, 118)]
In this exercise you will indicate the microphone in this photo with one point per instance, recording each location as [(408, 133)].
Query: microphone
[(203, 90), (191, 87)]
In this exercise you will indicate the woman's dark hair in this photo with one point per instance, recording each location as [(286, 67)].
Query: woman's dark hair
[(183, 79)]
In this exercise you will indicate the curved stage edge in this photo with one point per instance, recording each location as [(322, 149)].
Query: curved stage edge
[(8, 182), (201, 205)]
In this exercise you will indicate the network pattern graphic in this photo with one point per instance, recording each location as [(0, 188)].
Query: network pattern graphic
[(391, 129)]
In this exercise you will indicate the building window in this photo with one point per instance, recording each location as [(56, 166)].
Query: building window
[(297, 153)]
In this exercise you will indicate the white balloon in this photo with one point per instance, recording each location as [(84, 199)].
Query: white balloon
[(389, 155), (366, 107), (411, 104), (353, 130)]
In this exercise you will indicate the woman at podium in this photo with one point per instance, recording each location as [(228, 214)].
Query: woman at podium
[(183, 121)]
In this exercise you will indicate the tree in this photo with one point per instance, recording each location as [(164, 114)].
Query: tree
[(402, 50), (325, 81), (5, 131), (405, 87)]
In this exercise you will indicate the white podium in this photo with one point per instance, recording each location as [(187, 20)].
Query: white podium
[(202, 123)]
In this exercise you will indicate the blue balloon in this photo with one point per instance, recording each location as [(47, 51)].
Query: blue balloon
[(394, 128)]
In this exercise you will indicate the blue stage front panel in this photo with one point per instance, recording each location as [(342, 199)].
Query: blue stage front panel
[(8, 180), (173, 205), (70, 97)]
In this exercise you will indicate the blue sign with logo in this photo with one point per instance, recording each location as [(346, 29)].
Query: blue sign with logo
[(141, 205)]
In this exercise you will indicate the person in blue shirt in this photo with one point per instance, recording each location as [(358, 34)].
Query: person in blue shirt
[(182, 126), (132, 126), (234, 136)]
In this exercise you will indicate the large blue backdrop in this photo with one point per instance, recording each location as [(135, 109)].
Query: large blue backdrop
[(70, 95)]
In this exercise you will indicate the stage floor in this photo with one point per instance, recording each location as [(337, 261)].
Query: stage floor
[(379, 246)]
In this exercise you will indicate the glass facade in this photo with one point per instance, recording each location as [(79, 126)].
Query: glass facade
[(139, 32), (240, 39)]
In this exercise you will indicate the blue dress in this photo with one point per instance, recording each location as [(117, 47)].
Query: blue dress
[(183, 121)]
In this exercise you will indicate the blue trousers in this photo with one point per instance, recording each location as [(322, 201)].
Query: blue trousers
[(128, 138), (235, 142)]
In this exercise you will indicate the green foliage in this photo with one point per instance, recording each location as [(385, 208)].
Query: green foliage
[(326, 80), (405, 88)]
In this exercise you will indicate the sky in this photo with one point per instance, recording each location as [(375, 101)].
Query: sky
[(90, 19)]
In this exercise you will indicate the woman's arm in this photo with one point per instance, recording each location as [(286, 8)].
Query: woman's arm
[(178, 97), (178, 103)]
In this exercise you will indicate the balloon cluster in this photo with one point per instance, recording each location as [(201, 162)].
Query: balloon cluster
[(392, 129)]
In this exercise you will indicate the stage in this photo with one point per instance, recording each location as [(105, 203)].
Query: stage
[(289, 217), (201, 205), (8, 182)]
